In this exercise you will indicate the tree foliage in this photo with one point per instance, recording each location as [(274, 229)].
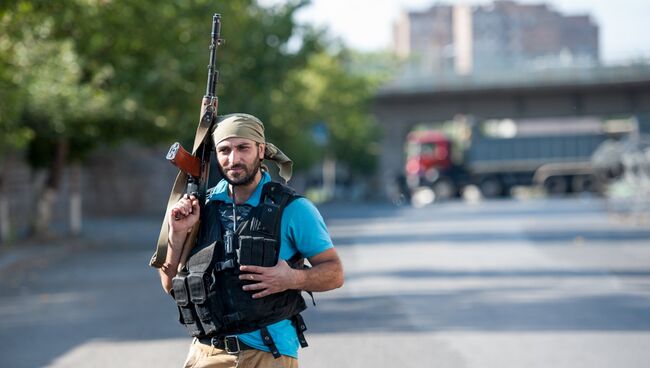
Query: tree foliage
[(89, 72), (323, 92)]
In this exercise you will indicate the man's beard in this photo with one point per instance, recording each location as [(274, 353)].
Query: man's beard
[(248, 172)]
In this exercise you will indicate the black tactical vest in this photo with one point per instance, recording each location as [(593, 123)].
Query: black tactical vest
[(208, 291)]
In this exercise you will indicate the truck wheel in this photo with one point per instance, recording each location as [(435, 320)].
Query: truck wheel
[(583, 183), (444, 188), (556, 185), (491, 187)]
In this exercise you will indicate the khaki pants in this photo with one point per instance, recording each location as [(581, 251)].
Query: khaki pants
[(205, 356)]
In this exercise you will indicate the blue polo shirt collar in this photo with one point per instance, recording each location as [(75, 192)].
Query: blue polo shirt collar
[(220, 192)]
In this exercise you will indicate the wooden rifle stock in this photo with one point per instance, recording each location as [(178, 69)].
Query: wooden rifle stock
[(184, 160)]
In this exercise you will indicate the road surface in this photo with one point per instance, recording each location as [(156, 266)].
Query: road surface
[(540, 283)]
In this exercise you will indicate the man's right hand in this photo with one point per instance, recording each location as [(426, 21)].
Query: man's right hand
[(181, 218), (184, 214)]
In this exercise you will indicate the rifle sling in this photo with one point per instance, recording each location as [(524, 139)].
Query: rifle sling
[(178, 190)]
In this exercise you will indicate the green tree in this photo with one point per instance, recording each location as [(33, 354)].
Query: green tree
[(76, 74), (13, 136), (325, 91), (96, 72)]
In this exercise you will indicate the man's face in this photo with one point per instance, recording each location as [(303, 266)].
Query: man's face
[(240, 160)]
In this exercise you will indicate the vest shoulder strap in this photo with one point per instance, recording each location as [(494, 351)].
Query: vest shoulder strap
[(274, 199), (278, 194)]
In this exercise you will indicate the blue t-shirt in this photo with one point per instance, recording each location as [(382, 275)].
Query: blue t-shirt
[(302, 230)]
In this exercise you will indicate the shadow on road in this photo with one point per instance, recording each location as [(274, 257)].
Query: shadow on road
[(499, 237), (498, 309)]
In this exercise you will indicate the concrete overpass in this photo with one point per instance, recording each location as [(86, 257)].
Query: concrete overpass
[(604, 91)]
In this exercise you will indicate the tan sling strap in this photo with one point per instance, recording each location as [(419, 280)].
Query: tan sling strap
[(178, 190), (207, 118)]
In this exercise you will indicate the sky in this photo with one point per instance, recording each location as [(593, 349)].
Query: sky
[(366, 25)]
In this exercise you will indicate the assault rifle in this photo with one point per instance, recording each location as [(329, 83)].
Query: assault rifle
[(194, 167)]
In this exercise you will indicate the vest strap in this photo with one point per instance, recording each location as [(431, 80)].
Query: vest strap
[(300, 326), (220, 266), (297, 261), (268, 341), (276, 197)]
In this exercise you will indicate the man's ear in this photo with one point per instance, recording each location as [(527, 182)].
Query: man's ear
[(260, 150)]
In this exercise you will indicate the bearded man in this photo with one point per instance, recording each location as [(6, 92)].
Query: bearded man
[(239, 294)]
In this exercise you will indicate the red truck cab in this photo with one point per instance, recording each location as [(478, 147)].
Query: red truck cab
[(427, 150), (429, 163)]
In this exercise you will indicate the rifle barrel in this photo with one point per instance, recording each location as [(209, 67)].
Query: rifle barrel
[(213, 73)]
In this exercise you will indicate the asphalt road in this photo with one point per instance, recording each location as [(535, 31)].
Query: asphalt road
[(544, 283)]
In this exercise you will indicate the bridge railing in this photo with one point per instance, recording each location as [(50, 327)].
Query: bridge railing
[(432, 83)]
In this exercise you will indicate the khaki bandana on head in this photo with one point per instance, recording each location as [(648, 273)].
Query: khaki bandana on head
[(249, 127)]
